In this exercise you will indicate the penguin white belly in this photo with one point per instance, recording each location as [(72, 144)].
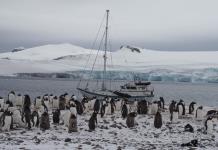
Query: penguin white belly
[(118, 105), (154, 109), (108, 109), (73, 111), (19, 101), (17, 118), (67, 118), (180, 110), (86, 107), (38, 103), (92, 104), (55, 103), (12, 98), (7, 125), (175, 117)]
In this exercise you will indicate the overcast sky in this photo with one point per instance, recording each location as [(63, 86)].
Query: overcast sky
[(151, 24)]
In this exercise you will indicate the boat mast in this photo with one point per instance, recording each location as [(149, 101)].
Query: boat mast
[(105, 52)]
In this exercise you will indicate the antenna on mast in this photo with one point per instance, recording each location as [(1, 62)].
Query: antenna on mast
[(105, 52)]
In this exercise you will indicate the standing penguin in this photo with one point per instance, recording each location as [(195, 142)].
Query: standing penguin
[(162, 102), (55, 102), (97, 106), (143, 107), (11, 99), (192, 107), (35, 118), (26, 110), (124, 110), (118, 104), (79, 107), (113, 106), (181, 108), (172, 108), (72, 124), (93, 121), (103, 106), (2, 103), (62, 102), (38, 102), (19, 101), (199, 113), (7, 121), (44, 121), (154, 108), (56, 116), (130, 121), (158, 120), (208, 124)]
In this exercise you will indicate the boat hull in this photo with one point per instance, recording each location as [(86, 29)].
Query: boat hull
[(102, 94)]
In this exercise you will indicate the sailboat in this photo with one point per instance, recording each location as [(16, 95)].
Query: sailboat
[(137, 90)]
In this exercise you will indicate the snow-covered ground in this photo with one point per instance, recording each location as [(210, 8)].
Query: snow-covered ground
[(112, 133), (159, 65)]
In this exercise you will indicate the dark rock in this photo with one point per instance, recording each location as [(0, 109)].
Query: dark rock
[(67, 140)]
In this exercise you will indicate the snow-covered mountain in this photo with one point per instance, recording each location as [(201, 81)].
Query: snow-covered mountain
[(148, 64)]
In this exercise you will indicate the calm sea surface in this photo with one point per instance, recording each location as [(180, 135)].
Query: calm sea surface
[(203, 93)]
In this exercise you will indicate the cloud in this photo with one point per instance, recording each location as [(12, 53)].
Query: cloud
[(140, 21)]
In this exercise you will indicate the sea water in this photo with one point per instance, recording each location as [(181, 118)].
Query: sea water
[(202, 93)]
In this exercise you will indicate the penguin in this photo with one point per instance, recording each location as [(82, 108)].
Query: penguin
[(93, 121), (35, 119), (175, 116), (67, 99), (192, 107), (124, 111), (38, 102), (11, 99), (85, 104), (97, 106), (172, 108), (162, 102), (44, 121), (130, 121), (108, 108), (143, 107), (62, 102), (45, 102), (118, 104), (72, 124), (7, 121), (199, 113), (103, 107), (17, 118), (79, 107), (158, 120), (50, 98), (56, 116), (113, 106), (19, 100), (27, 110), (154, 108), (68, 113), (55, 102), (92, 103), (181, 108), (2, 102), (208, 124)]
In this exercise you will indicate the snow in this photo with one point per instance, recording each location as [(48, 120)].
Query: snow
[(159, 65), (112, 133)]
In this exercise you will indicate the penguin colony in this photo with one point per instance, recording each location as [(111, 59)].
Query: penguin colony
[(19, 111)]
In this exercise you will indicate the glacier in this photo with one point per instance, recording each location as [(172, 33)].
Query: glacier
[(127, 63)]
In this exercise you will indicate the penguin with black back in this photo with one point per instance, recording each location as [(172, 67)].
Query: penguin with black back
[(130, 121), (158, 120), (56, 116), (124, 110), (27, 110), (192, 107), (93, 121)]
